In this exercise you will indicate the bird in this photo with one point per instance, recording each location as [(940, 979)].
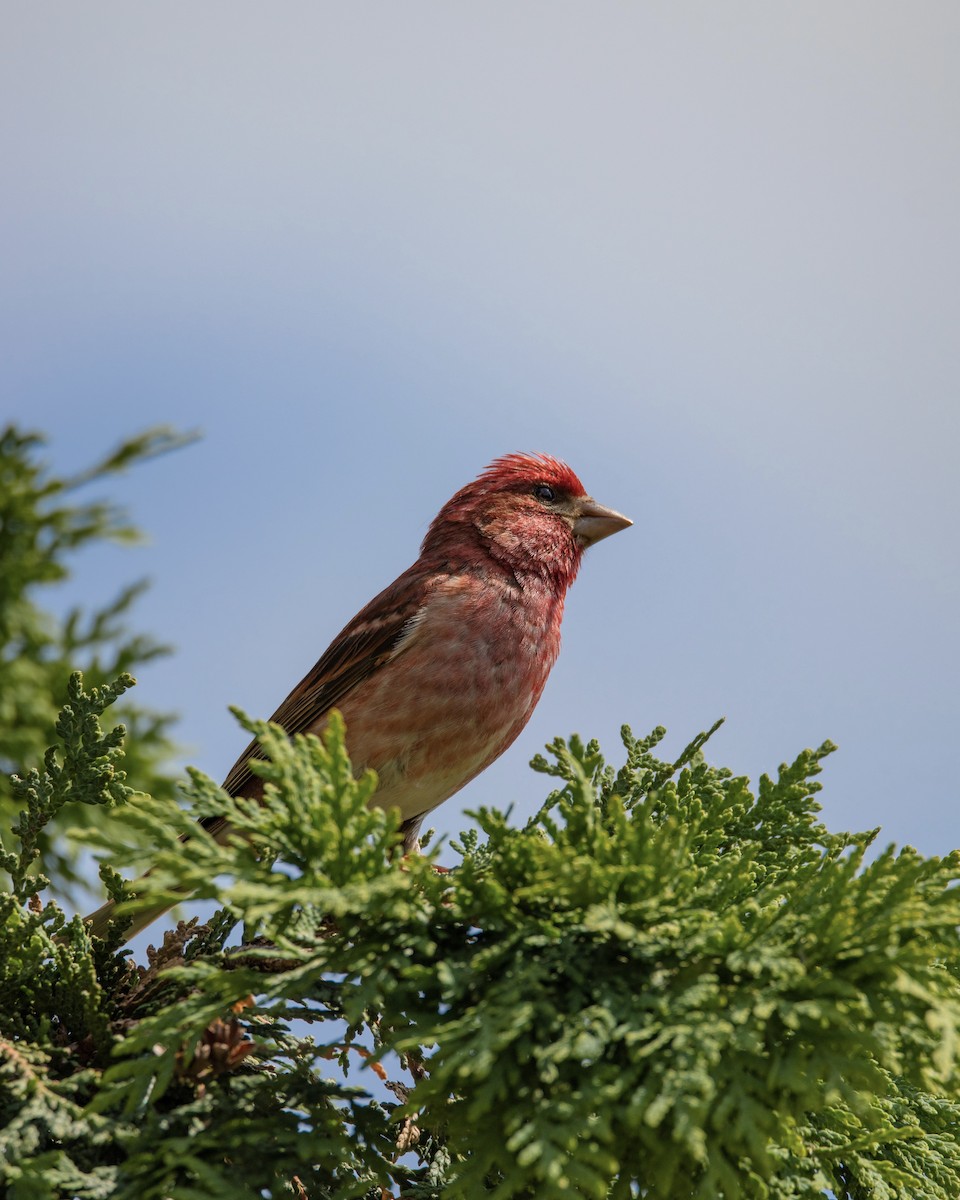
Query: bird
[(436, 677)]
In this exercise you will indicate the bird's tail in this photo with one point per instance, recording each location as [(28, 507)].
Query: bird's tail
[(99, 922)]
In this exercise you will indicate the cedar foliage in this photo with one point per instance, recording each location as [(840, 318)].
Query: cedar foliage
[(664, 985), (44, 522)]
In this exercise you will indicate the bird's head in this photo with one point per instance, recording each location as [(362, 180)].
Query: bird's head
[(529, 512)]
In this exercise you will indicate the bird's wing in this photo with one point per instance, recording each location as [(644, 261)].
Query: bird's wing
[(375, 635)]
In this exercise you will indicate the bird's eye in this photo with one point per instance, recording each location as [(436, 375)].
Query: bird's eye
[(543, 491)]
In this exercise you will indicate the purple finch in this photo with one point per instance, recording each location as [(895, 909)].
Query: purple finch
[(437, 676)]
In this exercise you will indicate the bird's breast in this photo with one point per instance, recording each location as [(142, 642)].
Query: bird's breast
[(459, 688)]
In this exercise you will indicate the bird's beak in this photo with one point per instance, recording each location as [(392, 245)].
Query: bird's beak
[(592, 521)]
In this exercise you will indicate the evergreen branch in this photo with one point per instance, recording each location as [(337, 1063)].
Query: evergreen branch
[(82, 770)]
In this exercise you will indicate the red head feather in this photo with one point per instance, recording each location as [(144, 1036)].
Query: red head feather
[(528, 469), (497, 519)]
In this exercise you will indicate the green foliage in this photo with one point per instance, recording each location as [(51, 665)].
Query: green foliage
[(42, 525), (662, 986)]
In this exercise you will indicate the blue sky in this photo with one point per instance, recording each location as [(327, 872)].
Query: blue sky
[(709, 254)]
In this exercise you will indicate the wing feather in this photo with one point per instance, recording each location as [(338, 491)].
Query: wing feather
[(363, 647)]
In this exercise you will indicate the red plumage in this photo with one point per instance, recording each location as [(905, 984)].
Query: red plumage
[(441, 671), (517, 470)]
